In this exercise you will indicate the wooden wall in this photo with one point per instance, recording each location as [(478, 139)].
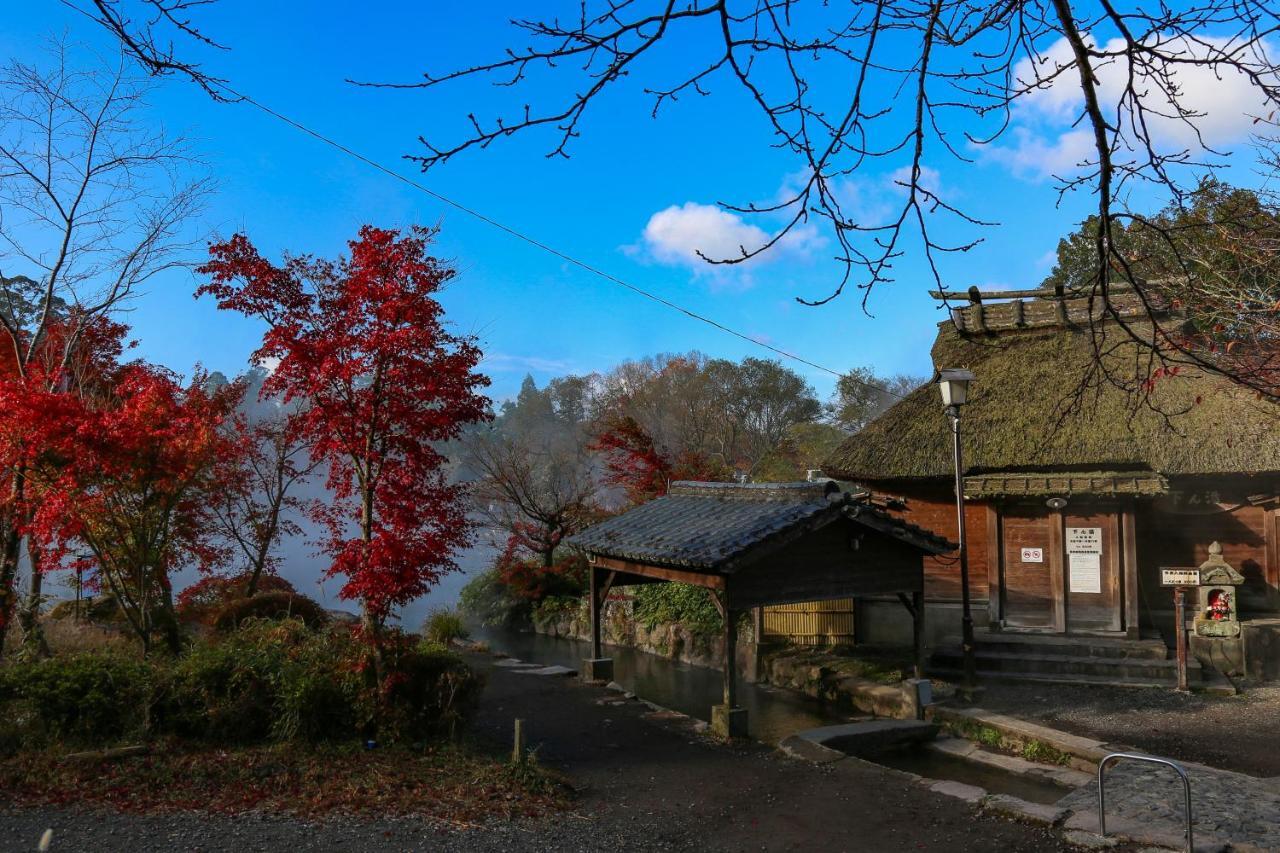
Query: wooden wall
[(937, 512), (1248, 537)]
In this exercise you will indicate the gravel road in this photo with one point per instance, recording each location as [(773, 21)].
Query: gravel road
[(644, 783)]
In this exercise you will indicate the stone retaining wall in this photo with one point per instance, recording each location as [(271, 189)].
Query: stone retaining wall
[(829, 677)]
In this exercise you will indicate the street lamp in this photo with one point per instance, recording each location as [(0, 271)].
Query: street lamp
[(954, 385)]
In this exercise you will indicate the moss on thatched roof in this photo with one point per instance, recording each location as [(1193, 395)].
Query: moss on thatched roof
[(1024, 415)]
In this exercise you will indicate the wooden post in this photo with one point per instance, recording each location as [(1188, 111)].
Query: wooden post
[(596, 647), (917, 632), (517, 743), (1180, 632), (730, 658)]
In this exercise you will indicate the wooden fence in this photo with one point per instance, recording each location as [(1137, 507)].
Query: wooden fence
[(813, 623)]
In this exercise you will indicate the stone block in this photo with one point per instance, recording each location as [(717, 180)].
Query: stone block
[(728, 722), (1261, 649), (1020, 809), (1226, 654), (969, 793), (597, 669)]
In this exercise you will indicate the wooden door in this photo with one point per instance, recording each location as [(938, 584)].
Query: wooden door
[(1092, 570), (1029, 561)]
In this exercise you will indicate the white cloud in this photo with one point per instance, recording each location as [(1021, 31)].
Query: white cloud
[(686, 234), (1223, 103), (1040, 155), (500, 362)]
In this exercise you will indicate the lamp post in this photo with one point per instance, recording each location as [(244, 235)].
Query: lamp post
[(954, 385)]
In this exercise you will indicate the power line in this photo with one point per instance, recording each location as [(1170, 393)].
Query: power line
[(533, 241), (607, 276)]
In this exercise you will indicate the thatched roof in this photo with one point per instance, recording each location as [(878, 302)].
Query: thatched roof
[(1024, 415)]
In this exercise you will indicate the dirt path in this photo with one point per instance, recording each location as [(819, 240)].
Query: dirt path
[(1228, 732), (645, 785)]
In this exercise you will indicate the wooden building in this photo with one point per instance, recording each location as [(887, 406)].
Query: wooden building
[(753, 546), (1078, 490)]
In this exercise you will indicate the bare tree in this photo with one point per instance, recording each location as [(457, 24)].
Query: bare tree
[(149, 29), (906, 86), (93, 204), (539, 492), (258, 511)]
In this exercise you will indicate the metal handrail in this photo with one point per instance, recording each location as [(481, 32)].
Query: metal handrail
[(1102, 791)]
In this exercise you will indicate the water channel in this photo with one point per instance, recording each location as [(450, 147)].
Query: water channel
[(774, 714)]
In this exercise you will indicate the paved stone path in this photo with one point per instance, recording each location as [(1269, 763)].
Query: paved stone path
[(1145, 803)]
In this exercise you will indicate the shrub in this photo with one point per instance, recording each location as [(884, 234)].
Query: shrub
[(431, 693), (206, 598), (691, 606), (271, 605), (487, 601), (83, 698), (530, 580), (268, 681), (444, 625), (283, 681)]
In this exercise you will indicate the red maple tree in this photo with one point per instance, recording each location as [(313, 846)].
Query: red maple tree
[(72, 357), (123, 482), (633, 461), (128, 496), (363, 343)]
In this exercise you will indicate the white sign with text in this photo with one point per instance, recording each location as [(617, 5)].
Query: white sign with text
[(1084, 559)]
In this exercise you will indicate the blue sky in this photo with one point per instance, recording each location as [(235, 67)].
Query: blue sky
[(634, 198)]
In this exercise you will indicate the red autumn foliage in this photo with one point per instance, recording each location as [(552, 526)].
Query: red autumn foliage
[(72, 359), (201, 601), (123, 484), (533, 580), (363, 343), (633, 461)]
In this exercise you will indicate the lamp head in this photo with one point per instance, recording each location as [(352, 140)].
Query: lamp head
[(954, 385)]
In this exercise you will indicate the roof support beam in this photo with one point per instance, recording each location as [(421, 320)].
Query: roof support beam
[(644, 570)]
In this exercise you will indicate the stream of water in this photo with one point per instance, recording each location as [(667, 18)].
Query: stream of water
[(772, 714)]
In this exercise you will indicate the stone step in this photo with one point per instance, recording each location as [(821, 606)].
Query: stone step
[(1070, 646), (955, 673), (1124, 669)]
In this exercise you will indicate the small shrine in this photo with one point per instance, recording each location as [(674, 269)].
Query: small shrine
[(1217, 614)]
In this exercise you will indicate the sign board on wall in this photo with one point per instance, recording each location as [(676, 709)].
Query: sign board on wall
[(1033, 555), (1084, 559)]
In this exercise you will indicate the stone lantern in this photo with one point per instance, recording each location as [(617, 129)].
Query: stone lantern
[(1217, 611)]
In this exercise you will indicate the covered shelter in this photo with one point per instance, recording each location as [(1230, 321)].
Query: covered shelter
[(756, 545)]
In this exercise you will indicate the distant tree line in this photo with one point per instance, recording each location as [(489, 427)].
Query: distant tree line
[(558, 457)]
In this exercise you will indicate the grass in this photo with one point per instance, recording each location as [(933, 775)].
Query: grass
[(444, 625), (988, 736), (450, 784)]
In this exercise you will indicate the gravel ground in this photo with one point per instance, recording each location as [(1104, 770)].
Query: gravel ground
[(643, 785), (1228, 732)]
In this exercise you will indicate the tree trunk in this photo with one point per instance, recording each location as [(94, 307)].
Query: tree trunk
[(10, 546), (169, 622), (33, 641)]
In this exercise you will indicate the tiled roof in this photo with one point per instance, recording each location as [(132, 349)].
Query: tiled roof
[(708, 526)]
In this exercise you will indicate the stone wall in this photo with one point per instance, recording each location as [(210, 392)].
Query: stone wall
[(844, 681), (670, 640)]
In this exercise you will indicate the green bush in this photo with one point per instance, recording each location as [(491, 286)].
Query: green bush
[(270, 605), (486, 600), (691, 606), (83, 698), (267, 681), (444, 625)]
